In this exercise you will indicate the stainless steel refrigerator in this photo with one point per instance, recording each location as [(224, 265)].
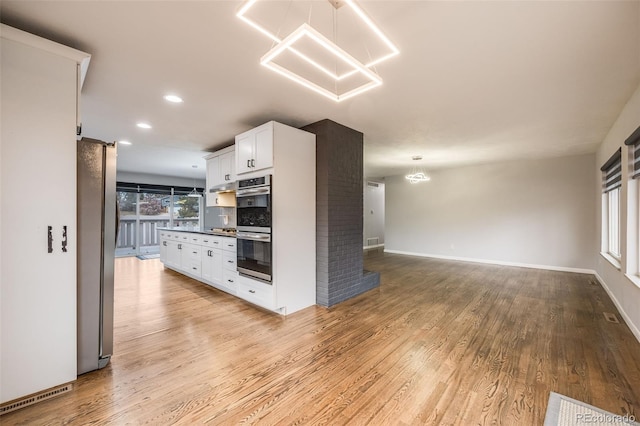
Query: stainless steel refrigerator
[(96, 239)]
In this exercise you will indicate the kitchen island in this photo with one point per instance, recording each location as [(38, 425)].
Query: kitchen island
[(207, 256)]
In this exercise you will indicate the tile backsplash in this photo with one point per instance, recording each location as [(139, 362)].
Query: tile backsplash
[(215, 217)]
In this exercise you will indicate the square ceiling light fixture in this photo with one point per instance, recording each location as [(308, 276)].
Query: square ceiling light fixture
[(311, 53), (333, 50)]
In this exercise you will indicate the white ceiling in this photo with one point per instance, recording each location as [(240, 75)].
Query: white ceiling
[(475, 81)]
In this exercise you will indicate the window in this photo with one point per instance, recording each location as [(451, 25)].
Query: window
[(144, 208), (613, 218), (611, 183), (633, 204)]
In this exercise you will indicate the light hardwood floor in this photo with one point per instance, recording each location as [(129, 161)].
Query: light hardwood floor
[(439, 342)]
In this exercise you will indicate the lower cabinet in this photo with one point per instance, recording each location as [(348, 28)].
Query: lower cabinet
[(174, 255), (212, 265), (256, 292), (190, 259), (208, 258)]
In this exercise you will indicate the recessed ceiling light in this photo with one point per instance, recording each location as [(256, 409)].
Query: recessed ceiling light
[(144, 125), (173, 98), (124, 142)]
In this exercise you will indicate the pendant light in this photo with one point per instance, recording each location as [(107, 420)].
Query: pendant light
[(417, 174), (194, 193)]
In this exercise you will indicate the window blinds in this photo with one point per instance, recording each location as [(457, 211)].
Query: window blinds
[(634, 142), (612, 172), (154, 189)]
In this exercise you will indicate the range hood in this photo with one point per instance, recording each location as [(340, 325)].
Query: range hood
[(225, 187)]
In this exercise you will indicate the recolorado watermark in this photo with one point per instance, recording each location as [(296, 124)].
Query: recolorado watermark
[(602, 418)]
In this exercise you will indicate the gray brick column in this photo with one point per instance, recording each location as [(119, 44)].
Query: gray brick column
[(339, 221)]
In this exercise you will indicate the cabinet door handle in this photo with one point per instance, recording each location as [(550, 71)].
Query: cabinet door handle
[(179, 246), (164, 243), (229, 280), (216, 200), (64, 239), (253, 163), (50, 239), (252, 291), (230, 261), (248, 163)]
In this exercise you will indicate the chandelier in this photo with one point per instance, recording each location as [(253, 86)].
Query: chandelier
[(308, 57), (417, 174)]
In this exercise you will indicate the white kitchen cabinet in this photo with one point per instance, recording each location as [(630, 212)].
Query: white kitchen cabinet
[(227, 167), (221, 174), (254, 149), (212, 265), (290, 159), (190, 258), (41, 83), (256, 292), (208, 258), (221, 168), (163, 246), (229, 260), (174, 254), (211, 254)]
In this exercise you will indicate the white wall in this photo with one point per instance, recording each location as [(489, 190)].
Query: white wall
[(622, 290), (530, 212)]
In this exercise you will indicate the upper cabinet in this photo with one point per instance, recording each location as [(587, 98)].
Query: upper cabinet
[(254, 149), (221, 168), (221, 176)]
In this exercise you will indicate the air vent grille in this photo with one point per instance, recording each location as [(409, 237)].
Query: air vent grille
[(374, 184), (611, 317), (30, 400)]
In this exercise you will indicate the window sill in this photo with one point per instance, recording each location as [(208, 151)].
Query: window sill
[(635, 279), (615, 262)]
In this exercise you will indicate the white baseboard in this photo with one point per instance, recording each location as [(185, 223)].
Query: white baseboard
[(615, 301), (373, 246), (496, 262)]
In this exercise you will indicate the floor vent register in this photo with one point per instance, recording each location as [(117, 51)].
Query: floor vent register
[(35, 398)]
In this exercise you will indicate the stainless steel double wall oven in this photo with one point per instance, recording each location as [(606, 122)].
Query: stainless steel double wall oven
[(253, 222)]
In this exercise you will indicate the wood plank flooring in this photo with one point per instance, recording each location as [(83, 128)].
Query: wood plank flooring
[(439, 342)]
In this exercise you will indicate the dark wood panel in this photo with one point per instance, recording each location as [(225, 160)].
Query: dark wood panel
[(439, 342)]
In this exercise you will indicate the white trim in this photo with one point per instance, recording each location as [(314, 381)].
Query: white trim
[(626, 318), (496, 262), (19, 36), (634, 279), (612, 260), (374, 246)]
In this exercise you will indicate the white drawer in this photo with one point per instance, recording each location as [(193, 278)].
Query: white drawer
[(193, 252), (194, 268), (194, 238), (229, 260), (230, 280), (229, 244), (256, 292), (211, 241)]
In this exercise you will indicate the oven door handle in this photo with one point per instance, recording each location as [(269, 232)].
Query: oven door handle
[(252, 191), (253, 237)]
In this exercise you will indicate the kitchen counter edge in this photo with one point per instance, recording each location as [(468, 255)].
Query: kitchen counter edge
[(195, 231)]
